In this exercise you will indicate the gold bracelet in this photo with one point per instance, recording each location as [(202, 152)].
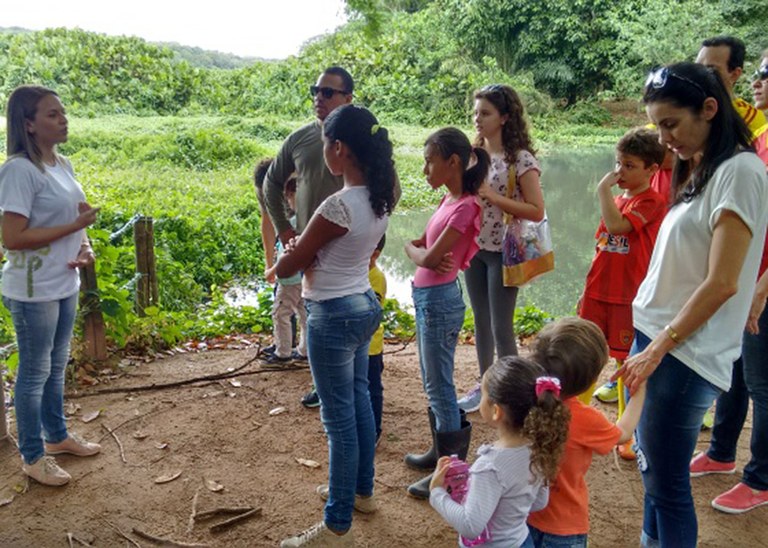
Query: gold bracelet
[(672, 334)]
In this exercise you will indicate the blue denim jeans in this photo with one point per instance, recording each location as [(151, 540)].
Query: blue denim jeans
[(750, 380), (338, 334), (676, 400), (376, 389), (43, 332), (439, 317), (547, 540)]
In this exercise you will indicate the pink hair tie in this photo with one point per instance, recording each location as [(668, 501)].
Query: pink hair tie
[(548, 384)]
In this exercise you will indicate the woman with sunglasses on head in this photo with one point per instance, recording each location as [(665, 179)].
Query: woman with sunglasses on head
[(43, 229), (502, 132), (750, 380), (690, 309)]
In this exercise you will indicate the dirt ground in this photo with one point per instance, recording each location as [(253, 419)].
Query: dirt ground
[(222, 435)]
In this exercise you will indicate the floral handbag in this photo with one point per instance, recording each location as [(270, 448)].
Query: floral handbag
[(526, 251)]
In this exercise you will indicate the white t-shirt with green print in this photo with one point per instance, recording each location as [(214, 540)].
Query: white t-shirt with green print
[(47, 199)]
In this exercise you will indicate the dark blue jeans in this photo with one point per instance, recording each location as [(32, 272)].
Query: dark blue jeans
[(376, 389), (338, 334), (676, 400), (750, 380), (547, 540)]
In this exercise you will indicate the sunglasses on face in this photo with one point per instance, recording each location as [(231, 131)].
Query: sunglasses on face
[(659, 77), (327, 93), (761, 73)]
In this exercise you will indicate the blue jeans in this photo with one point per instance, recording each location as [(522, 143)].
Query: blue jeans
[(439, 317), (338, 334), (750, 380), (676, 400), (376, 389), (548, 540), (43, 332)]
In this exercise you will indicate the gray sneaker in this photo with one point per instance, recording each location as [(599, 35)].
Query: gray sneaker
[(471, 402), (319, 536), (364, 505)]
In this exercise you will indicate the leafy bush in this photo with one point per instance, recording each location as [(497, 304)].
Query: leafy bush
[(529, 320)]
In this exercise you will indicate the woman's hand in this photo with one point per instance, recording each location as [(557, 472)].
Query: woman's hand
[(636, 369), (87, 214), (438, 477), (84, 258), (755, 311)]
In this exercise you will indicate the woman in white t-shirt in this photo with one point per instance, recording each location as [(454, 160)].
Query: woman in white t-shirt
[(690, 311), (334, 253), (43, 231)]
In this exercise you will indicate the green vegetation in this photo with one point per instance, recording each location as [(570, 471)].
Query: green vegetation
[(173, 132)]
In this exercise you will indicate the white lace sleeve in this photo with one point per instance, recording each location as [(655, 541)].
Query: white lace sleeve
[(335, 210)]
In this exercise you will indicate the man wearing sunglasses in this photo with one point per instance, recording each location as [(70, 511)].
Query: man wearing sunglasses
[(750, 371), (302, 153), (725, 54)]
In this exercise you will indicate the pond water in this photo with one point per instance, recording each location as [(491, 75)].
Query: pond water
[(569, 180)]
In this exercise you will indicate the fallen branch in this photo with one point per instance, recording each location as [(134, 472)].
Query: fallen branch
[(224, 510), (135, 418), (72, 536), (166, 541), (405, 345), (117, 440), (176, 384), (126, 537), (232, 521), (193, 513)]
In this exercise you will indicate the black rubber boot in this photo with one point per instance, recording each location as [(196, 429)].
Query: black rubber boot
[(447, 444), (427, 460)]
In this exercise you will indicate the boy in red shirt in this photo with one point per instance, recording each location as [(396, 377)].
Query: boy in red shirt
[(625, 238)]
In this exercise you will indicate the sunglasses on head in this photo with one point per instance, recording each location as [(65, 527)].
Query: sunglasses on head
[(761, 73), (659, 77), (325, 91)]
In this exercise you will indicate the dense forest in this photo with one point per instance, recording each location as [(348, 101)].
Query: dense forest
[(415, 60)]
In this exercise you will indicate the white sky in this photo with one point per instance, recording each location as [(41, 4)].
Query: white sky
[(264, 28)]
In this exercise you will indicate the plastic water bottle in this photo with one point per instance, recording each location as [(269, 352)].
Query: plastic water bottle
[(456, 482)]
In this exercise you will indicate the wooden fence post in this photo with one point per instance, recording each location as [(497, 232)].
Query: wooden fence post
[(146, 286), (95, 337), (3, 417)]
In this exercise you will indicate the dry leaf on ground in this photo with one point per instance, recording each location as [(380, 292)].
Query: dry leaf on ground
[(88, 417), (308, 462), (167, 477), (214, 486), (277, 411)]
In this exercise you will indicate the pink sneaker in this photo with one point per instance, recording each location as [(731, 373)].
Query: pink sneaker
[(740, 499), (73, 445), (701, 465)]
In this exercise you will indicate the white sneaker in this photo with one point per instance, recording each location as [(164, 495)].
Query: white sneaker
[(471, 402), (46, 471), (320, 536), (73, 445)]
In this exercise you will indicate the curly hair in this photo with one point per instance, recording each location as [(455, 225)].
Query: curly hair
[(572, 349), (511, 384), (358, 128), (449, 141), (514, 133)]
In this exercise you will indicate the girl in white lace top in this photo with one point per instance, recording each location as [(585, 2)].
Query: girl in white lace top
[(343, 312)]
